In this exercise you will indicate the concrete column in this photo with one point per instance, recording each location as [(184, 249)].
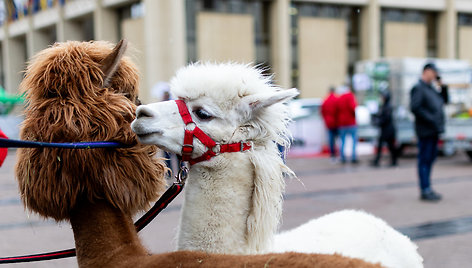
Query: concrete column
[(4, 53), (281, 43), (447, 31), (370, 31), (30, 38), (36, 39), (14, 57), (105, 23), (165, 41)]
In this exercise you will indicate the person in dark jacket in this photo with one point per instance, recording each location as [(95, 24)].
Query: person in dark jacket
[(426, 103), (387, 131), (329, 111)]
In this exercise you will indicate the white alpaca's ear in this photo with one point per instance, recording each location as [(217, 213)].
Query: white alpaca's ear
[(110, 64), (263, 100)]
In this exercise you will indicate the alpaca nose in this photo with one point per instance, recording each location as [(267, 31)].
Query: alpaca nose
[(143, 111)]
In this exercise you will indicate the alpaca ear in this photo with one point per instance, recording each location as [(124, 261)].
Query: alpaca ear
[(110, 64), (263, 100)]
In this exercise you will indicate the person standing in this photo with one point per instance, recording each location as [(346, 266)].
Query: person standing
[(3, 151), (426, 103), (347, 123), (387, 131), (329, 112)]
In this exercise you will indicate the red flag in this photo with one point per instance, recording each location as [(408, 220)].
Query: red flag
[(3, 151)]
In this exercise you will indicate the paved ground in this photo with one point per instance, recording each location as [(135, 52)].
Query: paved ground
[(443, 231)]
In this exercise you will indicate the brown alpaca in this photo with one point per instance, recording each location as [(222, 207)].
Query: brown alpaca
[(87, 91)]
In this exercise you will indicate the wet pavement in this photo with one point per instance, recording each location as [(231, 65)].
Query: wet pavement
[(437, 229), (443, 230)]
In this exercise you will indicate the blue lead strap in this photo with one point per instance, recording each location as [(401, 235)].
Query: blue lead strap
[(9, 143)]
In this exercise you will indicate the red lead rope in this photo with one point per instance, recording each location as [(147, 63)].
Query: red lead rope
[(161, 204), (187, 147)]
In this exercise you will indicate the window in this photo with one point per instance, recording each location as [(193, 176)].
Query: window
[(258, 8), (401, 15), (349, 13)]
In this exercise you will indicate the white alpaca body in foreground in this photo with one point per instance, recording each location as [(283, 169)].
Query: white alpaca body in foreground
[(233, 202), (351, 233)]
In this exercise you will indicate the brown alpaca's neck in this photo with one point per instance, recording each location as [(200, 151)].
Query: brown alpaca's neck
[(104, 236)]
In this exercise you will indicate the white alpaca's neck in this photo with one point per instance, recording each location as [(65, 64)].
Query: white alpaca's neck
[(216, 206), (233, 203)]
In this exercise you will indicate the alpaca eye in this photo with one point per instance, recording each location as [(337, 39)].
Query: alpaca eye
[(202, 114)]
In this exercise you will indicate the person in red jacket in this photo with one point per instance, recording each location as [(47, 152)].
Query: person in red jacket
[(3, 151), (329, 111), (347, 122)]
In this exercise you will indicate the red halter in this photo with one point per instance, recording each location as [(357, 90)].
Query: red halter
[(212, 146)]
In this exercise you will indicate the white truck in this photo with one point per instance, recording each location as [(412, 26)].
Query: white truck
[(399, 76)]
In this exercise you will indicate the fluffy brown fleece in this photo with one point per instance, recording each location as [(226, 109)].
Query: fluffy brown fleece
[(70, 99)]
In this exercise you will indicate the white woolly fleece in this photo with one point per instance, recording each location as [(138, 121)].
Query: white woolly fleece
[(352, 233), (224, 82)]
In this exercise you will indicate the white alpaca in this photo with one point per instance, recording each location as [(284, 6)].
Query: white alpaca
[(351, 233), (233, 201)]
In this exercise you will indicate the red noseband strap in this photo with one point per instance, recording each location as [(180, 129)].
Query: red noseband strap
[(192, 130)]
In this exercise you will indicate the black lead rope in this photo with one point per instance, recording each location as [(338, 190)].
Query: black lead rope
[(9, 143), (160, 205)]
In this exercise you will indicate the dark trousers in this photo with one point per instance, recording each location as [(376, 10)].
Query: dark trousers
[(391, 148), (427, 152), (343, 132), (332, 135)]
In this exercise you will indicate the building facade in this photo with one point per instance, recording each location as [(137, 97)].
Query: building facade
[(307, 44)]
